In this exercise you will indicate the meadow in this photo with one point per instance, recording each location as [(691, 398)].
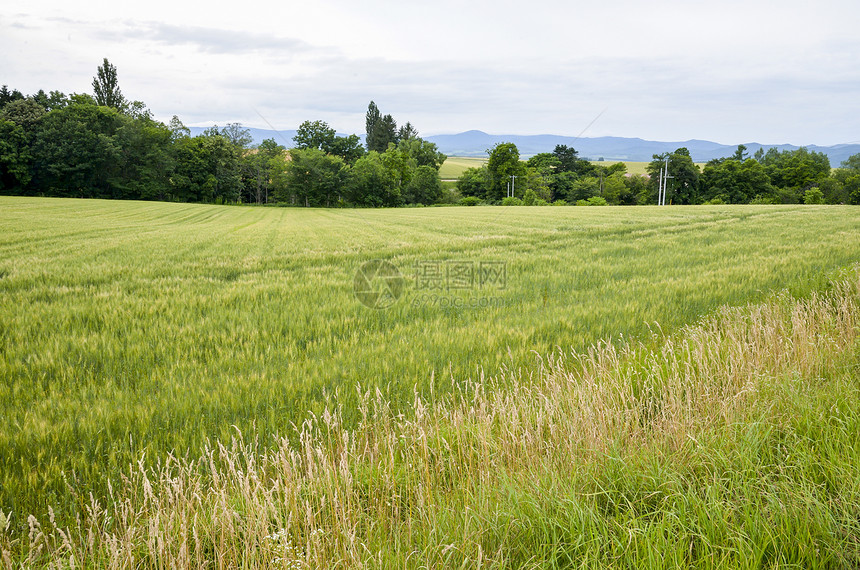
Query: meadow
[(143, 331)]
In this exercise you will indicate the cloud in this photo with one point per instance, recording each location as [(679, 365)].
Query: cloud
[(205, 40)]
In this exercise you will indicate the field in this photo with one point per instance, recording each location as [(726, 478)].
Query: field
[(454, 166), (132, 329)]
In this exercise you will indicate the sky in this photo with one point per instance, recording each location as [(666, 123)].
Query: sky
[(773, 72)]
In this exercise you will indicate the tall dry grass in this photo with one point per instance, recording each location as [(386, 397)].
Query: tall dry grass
[(732, 444)]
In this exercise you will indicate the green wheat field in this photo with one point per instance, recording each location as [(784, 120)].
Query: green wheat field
[(135, 338)]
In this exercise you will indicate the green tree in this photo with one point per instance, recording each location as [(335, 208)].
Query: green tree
[(314, 134), (503, 164), (7, 96), (207, 169), (474, 182), (237, 135), (145, 160), (76, 152), (313, 178), (371, 122), (15, 158), (348, 148), (26, 113), (813, 196), (422, 152), (683, 186), (407, 132), (106, 87), (371, 183), (792, 172), (424, 187), (569, 161), (735, 182)]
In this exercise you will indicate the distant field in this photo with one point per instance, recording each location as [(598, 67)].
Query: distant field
[(129, 327), (454, 166)]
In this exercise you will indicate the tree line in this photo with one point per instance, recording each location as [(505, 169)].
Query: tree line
[(562, 177), (102, 145)]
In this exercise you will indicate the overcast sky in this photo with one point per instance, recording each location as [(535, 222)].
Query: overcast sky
[(772, 71)]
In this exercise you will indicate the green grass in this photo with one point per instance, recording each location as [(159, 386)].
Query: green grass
[(731, 444), (132, 327)]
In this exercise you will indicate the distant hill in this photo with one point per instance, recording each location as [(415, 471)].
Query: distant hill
[(476, 143)]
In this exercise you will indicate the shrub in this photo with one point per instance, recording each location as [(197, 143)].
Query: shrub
[(510, 201), (470, 201), (813, 196), (529, 198), (596, 201)]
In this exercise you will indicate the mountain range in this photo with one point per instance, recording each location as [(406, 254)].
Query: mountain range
[(476, 143)]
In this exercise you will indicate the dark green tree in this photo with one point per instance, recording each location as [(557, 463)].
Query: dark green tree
[(106, 87), (407, 132), (371, 183), (474, 182), (15, 158), (503, 164), (683, 187), (76, 152), (735, 182), (424, 187), (7, 96)]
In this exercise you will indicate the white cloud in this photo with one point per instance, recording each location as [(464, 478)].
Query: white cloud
[(669, 70)]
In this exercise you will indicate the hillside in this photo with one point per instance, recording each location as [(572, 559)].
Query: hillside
[(475, 144)]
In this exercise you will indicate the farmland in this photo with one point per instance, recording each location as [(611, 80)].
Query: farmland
[(149, 328)]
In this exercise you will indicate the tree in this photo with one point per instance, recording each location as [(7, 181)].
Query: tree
[(852, 163), (314, 134), (683, 186), (795, 171), (76, 152), (371, 121), (7, 96), (318, 135), (371, 184), (313, 178), (145, 159), (15, 157), (106, 87), (407, 132), (380, 130), (25, 113), (259, 170), (424, 153), (735, 182), (178, 130), (237, 135), (348, 148), (207, 169), (569, 161), (503, 164), (474, 182), (424, 187)]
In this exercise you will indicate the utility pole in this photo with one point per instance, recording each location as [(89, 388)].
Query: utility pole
[(664, 180), (513, 185)]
